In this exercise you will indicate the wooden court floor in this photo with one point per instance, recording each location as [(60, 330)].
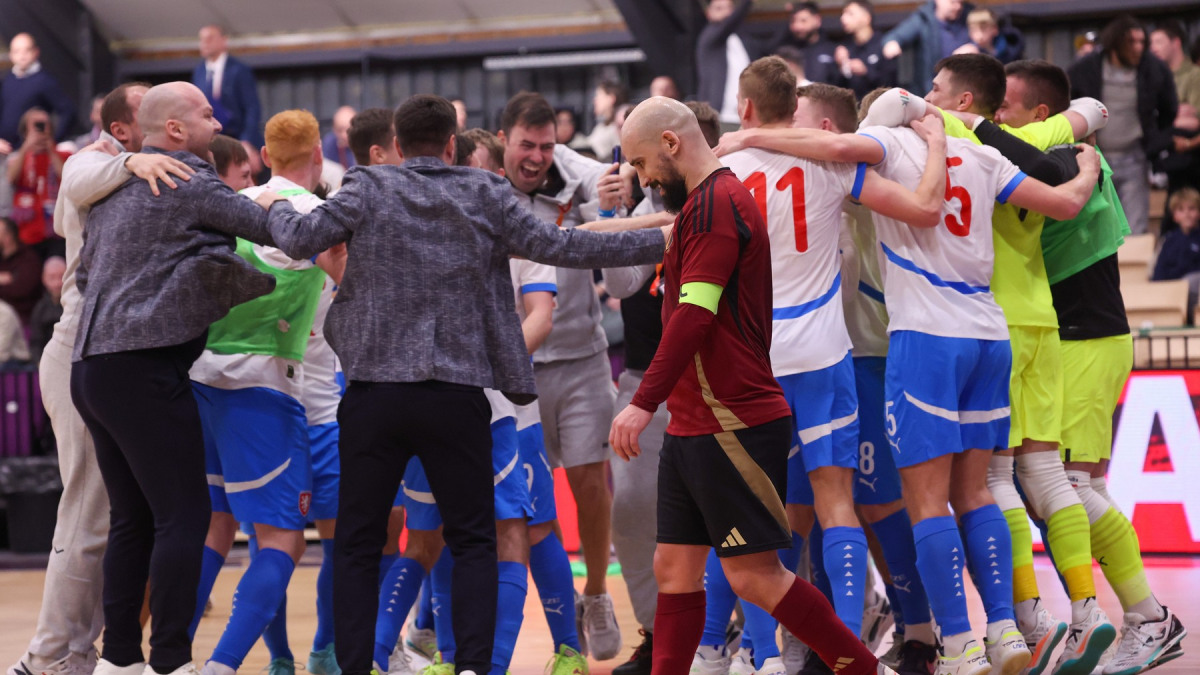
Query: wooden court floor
[(1175, 580)]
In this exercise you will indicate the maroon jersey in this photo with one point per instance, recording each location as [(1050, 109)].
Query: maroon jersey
[(726, 383)]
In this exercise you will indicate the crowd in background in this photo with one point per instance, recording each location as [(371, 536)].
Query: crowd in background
[(1147, 76)]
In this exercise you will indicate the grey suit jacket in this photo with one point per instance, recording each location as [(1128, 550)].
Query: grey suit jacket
[(156, 271), (427, 293)]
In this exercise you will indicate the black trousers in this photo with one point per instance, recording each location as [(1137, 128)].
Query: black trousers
[(448, 427), (149, 445)]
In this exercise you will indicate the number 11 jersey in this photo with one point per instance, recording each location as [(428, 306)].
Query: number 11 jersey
[(801, 202), (937, 280)]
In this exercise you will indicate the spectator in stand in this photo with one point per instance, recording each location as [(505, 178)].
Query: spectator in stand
[(335, 146), (28, 86), (1085, 43), (860, 57), (1183, 166), (33, 172), (804, 32), (1140, 95), (723, 50), (1005, 44), (664, 85), (933, 32), (93, 135), (231, 162), (605, 135), (567, 132), (20, 272), (1179, 257), (229, 86), (13, 347), (49, 308)]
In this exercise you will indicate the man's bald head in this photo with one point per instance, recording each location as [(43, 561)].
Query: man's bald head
[(177, 116), (663, 141), (169, 101), (655, 116)]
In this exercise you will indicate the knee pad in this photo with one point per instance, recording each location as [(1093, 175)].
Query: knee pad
[(1000, 483), (1044, 480)]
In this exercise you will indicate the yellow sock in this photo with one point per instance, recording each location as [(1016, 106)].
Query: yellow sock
[(1115, 545), (1024, 582), (1069, 536)]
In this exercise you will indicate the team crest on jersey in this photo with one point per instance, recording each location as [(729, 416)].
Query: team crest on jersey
[(305, 502)]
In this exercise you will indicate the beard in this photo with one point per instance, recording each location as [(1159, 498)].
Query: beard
[(673, 189)]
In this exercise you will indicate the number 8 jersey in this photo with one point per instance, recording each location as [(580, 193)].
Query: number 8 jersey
[(801, 202), (938, 280)]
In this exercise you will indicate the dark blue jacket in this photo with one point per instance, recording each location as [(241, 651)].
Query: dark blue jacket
[(39, 90), (921, 34), (1179, 256), (329, 148), (238, 111)]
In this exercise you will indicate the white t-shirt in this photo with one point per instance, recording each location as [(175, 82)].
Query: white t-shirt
[(736, 60), (862, 296), (803, 201), (322, 392), (530, 277), (938, 280), (243, 371)]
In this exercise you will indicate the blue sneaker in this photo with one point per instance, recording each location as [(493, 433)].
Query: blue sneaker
[(324, 662)]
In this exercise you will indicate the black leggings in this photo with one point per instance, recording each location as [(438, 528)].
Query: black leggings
[(448, 427), (140, 410)]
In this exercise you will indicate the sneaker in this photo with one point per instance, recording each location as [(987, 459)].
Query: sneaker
[(104, 667), (813, 665), (973, 661), (1008, 653), (1146, 644), (324, 662), (580, 634), (733, 636), (63, 666), (399, 663), (1042, 638), (639, 663), (188, 668), (421, 642), (794, 652), (877, 619), (1086, 642), (742, 663), (772, 666), (711, 660), (281, 667), (891, 658), (600, 624), (567, 661), (437, 667), (917, 658), (1106, 658)]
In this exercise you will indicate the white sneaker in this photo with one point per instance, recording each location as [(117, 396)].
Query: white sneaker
[(1086, 642), (104, 667), (421, 642), (772, 666), (63, 666), (891, 658), (1042, 637), (1146, 644), (794, 652), (1106, 658), (877, 619), (742, 663), (711, 661), (600, 624), (400, 663), (973, 661), (188, 668), (1006, 649)]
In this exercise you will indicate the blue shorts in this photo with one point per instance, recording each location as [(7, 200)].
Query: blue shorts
[(256, 455), (512, 493), (538, 476), (326, 470), (945, 395), (876, 480), (825, 417)]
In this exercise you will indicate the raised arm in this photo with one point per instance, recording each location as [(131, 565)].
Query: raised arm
[(642, 222), (220, 208), (331, 223), (1047, 167), (924, 207), (622, 282), (528, 237), (814, 144), (1065, 201)]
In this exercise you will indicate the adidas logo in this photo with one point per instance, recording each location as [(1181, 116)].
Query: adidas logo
[(734, 538), (842, 662)]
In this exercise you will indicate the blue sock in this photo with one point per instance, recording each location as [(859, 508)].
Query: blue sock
[(443, 621), (940, 560), (895, 535), (551, 570), (510, 612), (275, 634), (816, 562), (790, 557), (400, 587), (210, 567), (989, 541), (424, 619), (897, 612), (385, 564), (261, 590), (719, 602), (760, 627), (324, 635), (846, 554)]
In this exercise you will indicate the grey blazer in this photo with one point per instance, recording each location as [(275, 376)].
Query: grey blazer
[(427, 293), (157, 271)]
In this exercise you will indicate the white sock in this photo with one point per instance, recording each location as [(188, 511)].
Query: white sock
[(1026, 612), (1150, 608), (1080, 609)]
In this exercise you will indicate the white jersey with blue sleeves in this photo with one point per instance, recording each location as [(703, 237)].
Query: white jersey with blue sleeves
[(530, 277)]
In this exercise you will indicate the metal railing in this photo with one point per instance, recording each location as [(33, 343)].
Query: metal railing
[(1166, 348)]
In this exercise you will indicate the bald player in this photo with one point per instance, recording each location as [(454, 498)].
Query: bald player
[(730, 426)]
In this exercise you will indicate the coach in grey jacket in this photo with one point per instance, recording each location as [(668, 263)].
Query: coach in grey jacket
[(154, 272), (424, 319)]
